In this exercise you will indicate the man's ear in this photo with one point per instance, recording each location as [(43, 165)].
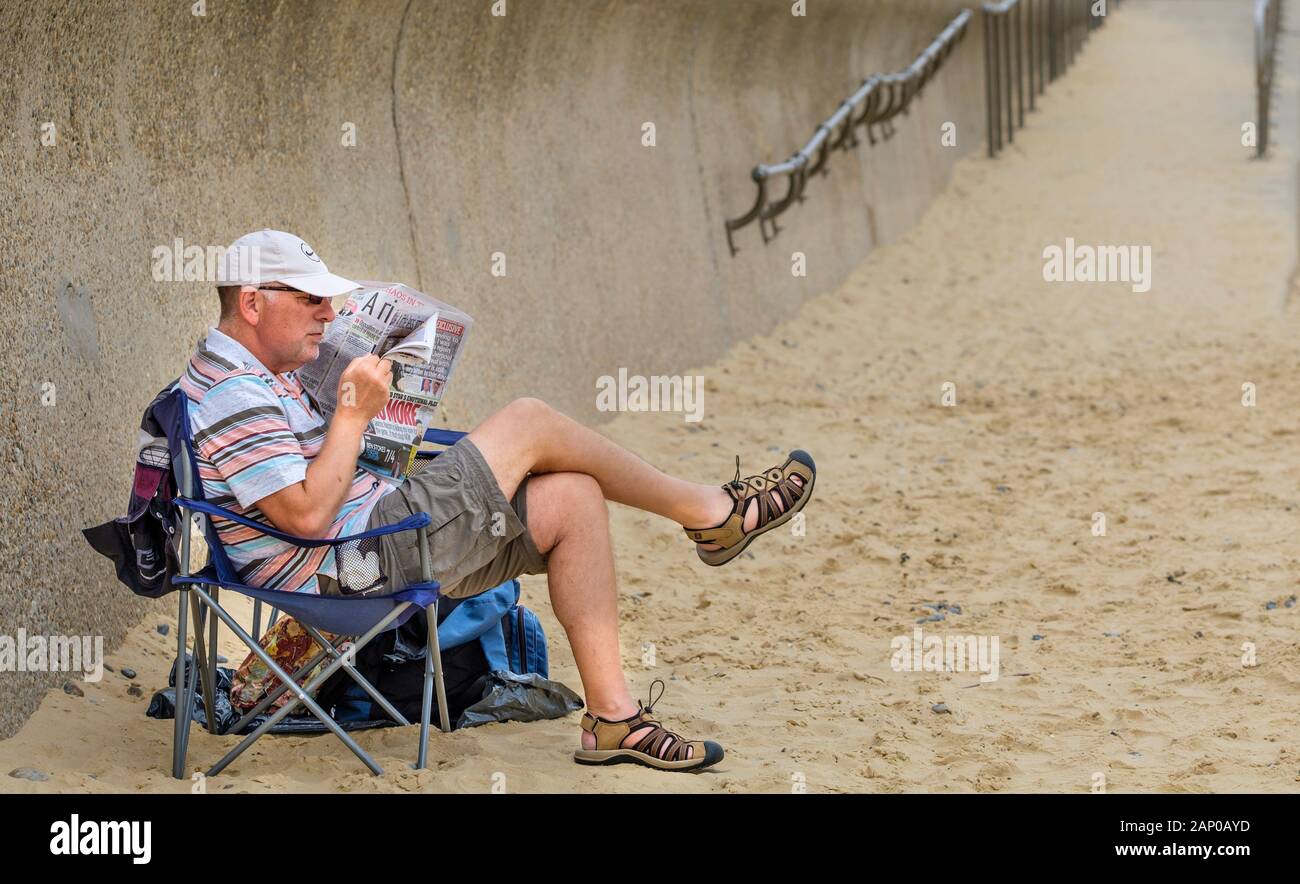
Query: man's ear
[(250, 306)]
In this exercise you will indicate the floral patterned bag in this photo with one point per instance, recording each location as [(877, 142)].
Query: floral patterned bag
[(291, 647)]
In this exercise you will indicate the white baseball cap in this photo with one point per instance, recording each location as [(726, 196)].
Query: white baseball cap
[(276, 256)]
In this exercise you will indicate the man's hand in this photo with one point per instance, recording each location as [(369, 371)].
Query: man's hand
[(363, 387)]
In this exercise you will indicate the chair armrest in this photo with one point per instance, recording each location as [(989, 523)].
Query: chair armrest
[(410, 523), (439, 437), (443, 437)]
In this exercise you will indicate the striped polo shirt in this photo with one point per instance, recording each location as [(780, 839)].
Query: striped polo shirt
[(254, 433)]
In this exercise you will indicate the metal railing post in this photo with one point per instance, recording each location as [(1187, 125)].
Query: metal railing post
[(1018, 24), (1049, 44), (988, 83), (1267, 24), (1005, 39), (1033, 54), (1027, 43)]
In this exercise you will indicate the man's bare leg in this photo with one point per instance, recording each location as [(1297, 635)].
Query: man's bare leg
[(569, 521), (575, 470), (528, 436)]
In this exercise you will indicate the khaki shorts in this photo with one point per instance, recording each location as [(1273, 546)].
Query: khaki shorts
[(478, 540)]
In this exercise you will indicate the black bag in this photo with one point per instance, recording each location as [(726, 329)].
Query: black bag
[(394, 663)]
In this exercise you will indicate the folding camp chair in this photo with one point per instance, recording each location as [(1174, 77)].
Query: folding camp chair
[(360, 618)]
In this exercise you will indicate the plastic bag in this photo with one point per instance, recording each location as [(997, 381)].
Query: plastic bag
[(508, 696)]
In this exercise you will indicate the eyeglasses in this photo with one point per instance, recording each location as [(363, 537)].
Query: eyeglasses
[(313, 300)]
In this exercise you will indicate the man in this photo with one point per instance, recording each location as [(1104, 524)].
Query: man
[(265, 451)]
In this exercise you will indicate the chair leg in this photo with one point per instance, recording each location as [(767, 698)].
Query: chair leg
[(209, 695), (200, 657), (303, 693), (432, 678), (434, 651), (438, 682), (181, 733), (426, 703)]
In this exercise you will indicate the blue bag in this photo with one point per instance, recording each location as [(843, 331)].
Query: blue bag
[(511, 635), (485, 633)]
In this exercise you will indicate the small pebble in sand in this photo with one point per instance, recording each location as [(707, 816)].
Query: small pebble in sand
[(128, 672), (70, 688), (28, 773), (1037, 637), (1270, 606), (1289, 603), (941, 708), (134, 691), (1111, 634), (1003, 489), (933, 618), (109, 668), (221, 659), (163, 629)]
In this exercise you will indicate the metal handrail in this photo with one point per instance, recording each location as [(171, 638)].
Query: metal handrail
[(1268, 21), (1034, 41), (880, 98)]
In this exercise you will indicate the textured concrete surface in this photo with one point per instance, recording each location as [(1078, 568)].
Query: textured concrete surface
[(475, 134)]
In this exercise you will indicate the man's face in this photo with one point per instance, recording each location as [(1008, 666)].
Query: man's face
[(290, 325)]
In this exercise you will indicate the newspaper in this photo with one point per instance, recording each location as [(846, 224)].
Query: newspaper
[(421, 336)]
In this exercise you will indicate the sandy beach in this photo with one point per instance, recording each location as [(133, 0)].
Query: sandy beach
[(1120, 655)]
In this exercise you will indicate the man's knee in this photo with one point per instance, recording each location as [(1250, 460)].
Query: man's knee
[(565, 493), (559, 503), (509, 436), (527, 410)]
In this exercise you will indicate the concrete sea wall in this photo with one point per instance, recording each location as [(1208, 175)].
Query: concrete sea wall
[(412, 140)]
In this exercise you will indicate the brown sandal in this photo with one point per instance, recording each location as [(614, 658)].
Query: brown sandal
[(730, 536), (658, 748)]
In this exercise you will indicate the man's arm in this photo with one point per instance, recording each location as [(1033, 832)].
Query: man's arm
[(308, 508)]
